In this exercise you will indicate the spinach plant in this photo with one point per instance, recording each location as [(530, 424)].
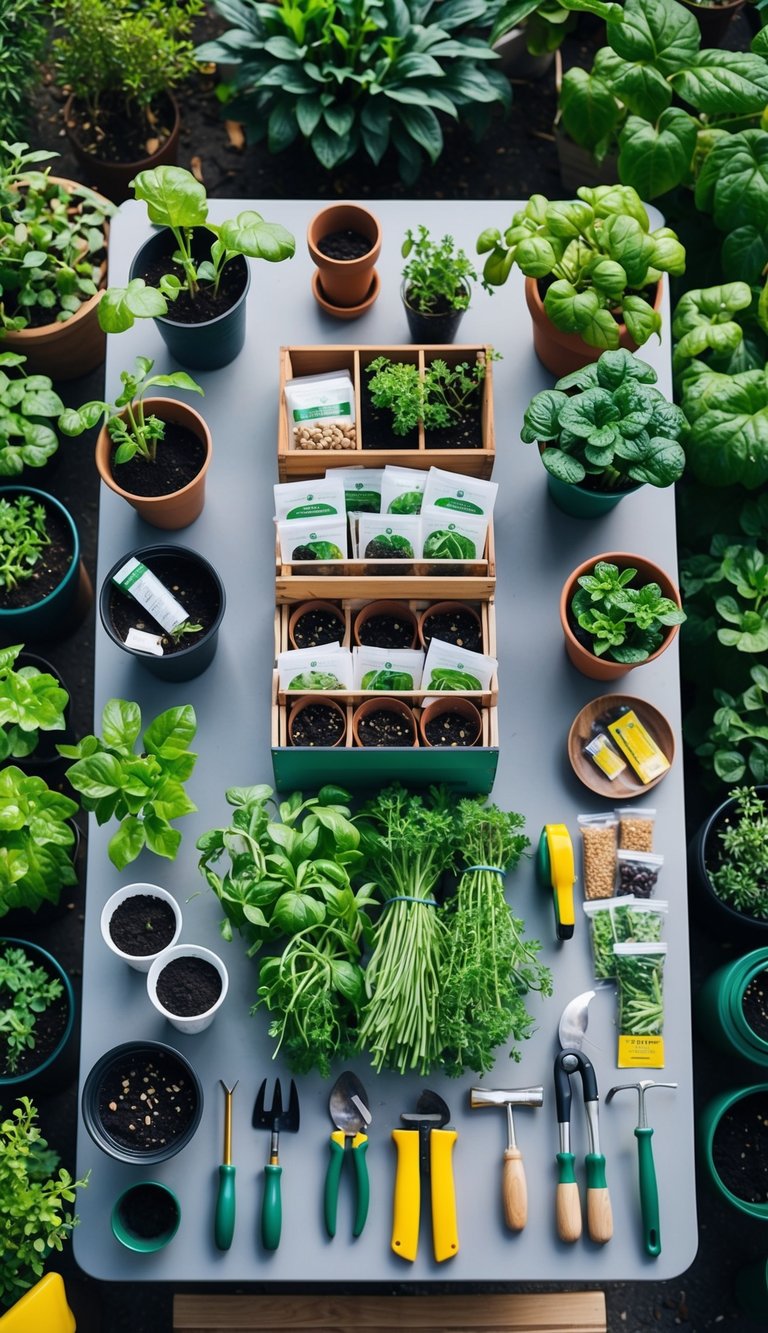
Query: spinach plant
[(726, 442), (623, 623), (36, 841), (23, 538), (26, 992), (436, 276), (28, 404), (144, 791), (443, 397), (719, 326), (733, 740), (727, 591), (31, 701), (600, 254), (133, 431), (616, 430), (546, 22), (739, 866)]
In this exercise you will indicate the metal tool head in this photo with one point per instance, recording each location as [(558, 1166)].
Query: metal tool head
[(479, 1097), (641, 1087), (274, 1117), (431, 1113), (348, 1104), (574, 1020)]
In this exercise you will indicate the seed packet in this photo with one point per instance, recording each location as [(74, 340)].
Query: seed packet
[(604, 756), (134, 579), (638, 871), (640, 977), (598, 837), (326, 397), (620, 921), (326, 668), (362, 488), (313, 539), (450, 668), (388, 669), (638, 746), (318, 498), (402, 489), (388, 537), (451, 536), (464, 495), (636, 826)]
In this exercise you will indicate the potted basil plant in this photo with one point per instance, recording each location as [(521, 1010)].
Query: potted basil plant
[(197, 265), (32, 701), (436, 286), (37, 844)]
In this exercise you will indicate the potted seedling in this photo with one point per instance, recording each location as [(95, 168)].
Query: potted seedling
[(187, 985), (446, 399), (603, 431), (53, 241), (37, 843), (618, 611), (154, 452), (384, 724), (37, 1016), (40, 577), (436, 286), (120, 63), (593, 271), (135, 1128), (28, 406), (199, 266), (314, 722), (728, 863), (138, 922), (344, 242), (33, 705)]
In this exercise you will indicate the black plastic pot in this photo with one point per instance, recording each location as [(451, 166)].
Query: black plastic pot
[(431, 329), (724, 921), (58, 1068), (186, 662), (134, 1056), (211, 343)]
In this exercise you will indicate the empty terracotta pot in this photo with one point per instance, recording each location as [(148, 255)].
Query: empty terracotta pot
[(345, 283)]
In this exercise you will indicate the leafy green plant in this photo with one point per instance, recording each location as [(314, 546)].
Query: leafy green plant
[(546, 22), (601, 258), (349, 76), (27, 990), (739, 866), (36, 838), (27, 404), (175, 199), (726, 442), (436, 277), (727, 592), (732, 186), (446, 545), (132, 430), (34, 1192), (734, 743), (450, 678), (317, 550), (143, 791), (443, 397), (614, 431), (718, 326), (52, 241), (23, 537), (624, 623), (31, 701), (22, 40), (409, 502)]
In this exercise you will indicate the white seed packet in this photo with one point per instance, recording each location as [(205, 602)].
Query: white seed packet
[(402, 489), (388, 669), (318, 498), (450, 668), (362, 488), (143, 642), (325, 668), (464, 495), (388, 536), (311, 399), (451, 536), (313, 539)]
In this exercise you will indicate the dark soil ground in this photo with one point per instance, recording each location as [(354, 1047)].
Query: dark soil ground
[(515, 158)]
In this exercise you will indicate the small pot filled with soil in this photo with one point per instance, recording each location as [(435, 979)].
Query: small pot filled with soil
[(114, 146), (142, 1102), (188, 984), (57, 593), (731, 1008), (36, 998), (344, 242), (438, 325), (138, 922), (194, 586), (734, 1139), (384, 724), (169, 491), (317, 722), (452, 622), (146, 1217), (314, 623), (386, 625), (449, 723)]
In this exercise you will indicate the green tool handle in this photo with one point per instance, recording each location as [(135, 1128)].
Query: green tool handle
[(332, 1178), (361, 1181), (649, 1194), (271, 1208), (224, 1228)]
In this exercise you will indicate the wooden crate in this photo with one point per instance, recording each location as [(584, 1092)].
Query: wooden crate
[(293, 463), (349, 606)]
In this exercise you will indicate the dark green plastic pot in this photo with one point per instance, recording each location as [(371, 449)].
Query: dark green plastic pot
[(59, 1067), (582, 503), (708, 1122), (168, 1217), (719, 1011), (724, 921), (56, 613), (751, 1289)]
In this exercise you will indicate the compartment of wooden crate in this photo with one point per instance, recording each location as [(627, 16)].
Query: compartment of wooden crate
[(294, 462), (349, 607)]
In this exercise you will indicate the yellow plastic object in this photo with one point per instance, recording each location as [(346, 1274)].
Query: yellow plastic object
[(42, 1309), (405, 1221), (445, 1235), (556, 871)]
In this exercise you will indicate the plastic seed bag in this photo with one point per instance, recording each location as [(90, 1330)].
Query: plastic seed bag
[(620, 921), (638, 872), (320, 498), (636, 828), (321, 410), (640, 977), (463, 495), (599, 841), (313, 539), (362, 488), (402, 490)]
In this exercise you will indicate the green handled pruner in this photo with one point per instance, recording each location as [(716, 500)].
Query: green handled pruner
[(348, 1105), (224, 1227)]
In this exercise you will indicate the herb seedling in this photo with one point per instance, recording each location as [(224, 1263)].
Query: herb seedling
[(436, 276), (133, 431), (735, 742), (625, 624), (23, 537), (28, 404), (739, 872), (184, 628), (26, 992), (442, 398)]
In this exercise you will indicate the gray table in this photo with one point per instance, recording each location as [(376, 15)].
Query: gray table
[(539, 696)]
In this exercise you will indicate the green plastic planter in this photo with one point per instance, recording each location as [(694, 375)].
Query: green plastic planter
[(168, 1209), (708, 1121), (581, 503), (719, 1010), (56, 612), (751, 1290), (58, 1069)]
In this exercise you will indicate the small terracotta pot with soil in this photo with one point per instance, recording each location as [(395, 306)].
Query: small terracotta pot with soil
[(146, 1217), (733, 1139), (561, 352), (386, 624), (384, 724), (188, 984), (344, 242), (317, 722), (169, 492), (122, 148), (450, 723), (314, 623), (452, 622), (142, 1102), (577, 641), (138, 922)]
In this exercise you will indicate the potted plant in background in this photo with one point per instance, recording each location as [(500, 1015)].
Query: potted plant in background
[(37, 842), (120, 62), (37, 1017), (593, 271), (28, 404), (344, 242), (731, 1137), (436, 286), (728, 864), (526, 33), (618, 611), (198, 265), (25, 33), (43, 587), (603, 431), (165, 486), (730, 1008), (33, 705)]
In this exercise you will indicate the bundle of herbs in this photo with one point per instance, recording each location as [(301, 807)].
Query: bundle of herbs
[(490, 966)]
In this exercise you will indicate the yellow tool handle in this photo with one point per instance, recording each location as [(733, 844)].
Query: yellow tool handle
[(445, 1233), (599, 1215), (514, 1190), (405, 1220)]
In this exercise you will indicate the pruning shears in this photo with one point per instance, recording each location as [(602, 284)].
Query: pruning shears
[(571, 1060), (425, 1149), (348, 1105)]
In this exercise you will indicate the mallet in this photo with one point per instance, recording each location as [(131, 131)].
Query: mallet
[(514, 1191)]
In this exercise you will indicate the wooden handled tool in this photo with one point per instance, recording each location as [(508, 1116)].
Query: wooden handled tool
[(514, 1190)]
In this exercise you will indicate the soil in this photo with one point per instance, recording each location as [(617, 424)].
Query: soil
[(458, 627), (148, 1212), (142, 925), (346, 244), (188, 986), (386, 631), (451, 729), (190, 584), (740, 1148), (205, 305), (48, 1031), (317, 724), (381, 728), (314, 628), (465, 434), (754, 1004), (147, 1101), (376, 427), (180, 456), (115, 136), (51, 567)]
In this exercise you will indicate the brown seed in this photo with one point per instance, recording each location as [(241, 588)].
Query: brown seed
[(113, 1106)]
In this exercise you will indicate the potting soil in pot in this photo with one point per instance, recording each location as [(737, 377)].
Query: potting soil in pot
[(142, 925), (740, 1148), (754, 1004), (180, 456), (381, 728), (190, 584), (48, 571), (457, 627), (315, 628), (146, 1102), (465, 434), (317, 724), (113, 136), (47, 1033), (188, 986), (205, 306), (450, 729), (386, 631), (148, 1212), (344, 244)]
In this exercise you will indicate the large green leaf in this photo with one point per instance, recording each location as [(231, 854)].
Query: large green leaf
[(656, 158), (120, 306), (249, 234), (744, 253), (589, 110), (725, 83), (173, 197), (542, 416), (727, 443), (733, 182), (120, 724), (127, 842), (702, 319), (624, 240), (100, 775), (423, 126), (659, 32), (640, 318), (581, 312), (643, 88), (171, 731)]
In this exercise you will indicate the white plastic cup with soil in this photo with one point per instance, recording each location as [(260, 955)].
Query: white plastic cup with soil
[(142, 1102), (386, 624), (194, 583), (316, 722), (146, 1217), (140, 921), (450, 724), (188, 984), (312, 624), (344, 242), (577, 644), (168, 493), (452, 622), (384, 724)]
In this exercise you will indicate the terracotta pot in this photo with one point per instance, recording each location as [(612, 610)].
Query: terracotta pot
[(114, 178), (388, 705), (714, 20), (387, 608), (180, 508), (299, 707), (345, 284), (315, 605), (63, 350), (597, 668), (464, 707), (445, 608), (561, 353), (432, 329)]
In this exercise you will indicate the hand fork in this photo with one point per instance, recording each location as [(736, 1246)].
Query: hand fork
[(274, 1119)]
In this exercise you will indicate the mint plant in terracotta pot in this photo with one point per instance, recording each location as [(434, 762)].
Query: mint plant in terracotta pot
[(618, 611)]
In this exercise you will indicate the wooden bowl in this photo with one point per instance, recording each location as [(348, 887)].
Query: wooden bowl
[(627, 785)]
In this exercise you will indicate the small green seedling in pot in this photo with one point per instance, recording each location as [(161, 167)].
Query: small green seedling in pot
[(132, 429), (437, 276), (26, 992), (625, 624), (442, 398), (740, 875), (23, 537)]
